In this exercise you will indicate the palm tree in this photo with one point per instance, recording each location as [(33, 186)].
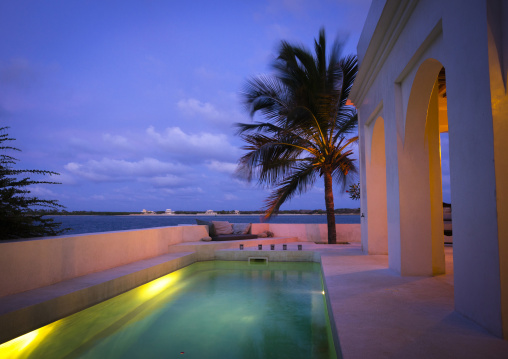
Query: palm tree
[(309, 127)]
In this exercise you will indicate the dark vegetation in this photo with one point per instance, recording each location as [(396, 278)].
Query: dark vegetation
[(19, 217)]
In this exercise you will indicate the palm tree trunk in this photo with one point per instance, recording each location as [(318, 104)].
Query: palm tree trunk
[(330, 208)]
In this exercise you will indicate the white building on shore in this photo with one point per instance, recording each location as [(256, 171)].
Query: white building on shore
[(209, 212)]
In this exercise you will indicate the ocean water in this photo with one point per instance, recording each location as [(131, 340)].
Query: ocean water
[(94, 224)]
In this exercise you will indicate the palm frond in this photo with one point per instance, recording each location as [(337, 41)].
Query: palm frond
[(349, 66), (308, 128), (298, 182)]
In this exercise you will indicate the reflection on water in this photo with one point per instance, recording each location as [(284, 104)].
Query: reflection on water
[(207, 310)]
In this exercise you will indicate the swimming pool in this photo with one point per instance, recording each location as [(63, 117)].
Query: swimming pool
[(214, 309)]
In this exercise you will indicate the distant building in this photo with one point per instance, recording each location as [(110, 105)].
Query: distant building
[(144, 211), (210, 212), (237, 211), (169, 212)]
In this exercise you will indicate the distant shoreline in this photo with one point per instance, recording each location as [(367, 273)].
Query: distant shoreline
[(200, 215)]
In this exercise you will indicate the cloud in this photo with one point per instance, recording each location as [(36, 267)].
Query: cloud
[(107, 169), (193, 107), (41, 191), (223, 167), (116, 140), (201, 145), (211, 113)]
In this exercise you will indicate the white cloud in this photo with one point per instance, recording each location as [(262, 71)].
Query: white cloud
[(116, 140), (193, 107), (41, 191), (117, 170), (204, 145), (223, 167)]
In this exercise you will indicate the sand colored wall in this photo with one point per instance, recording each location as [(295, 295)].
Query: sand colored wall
[(310, 232), (497, 13), (35, 263), (377, 240), (432, 142)]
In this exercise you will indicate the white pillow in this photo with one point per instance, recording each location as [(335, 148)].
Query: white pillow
[(241, 228), (222, 227)]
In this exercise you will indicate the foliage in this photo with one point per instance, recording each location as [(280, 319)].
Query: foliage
[(18, 218), (354, 191), (309, 127)]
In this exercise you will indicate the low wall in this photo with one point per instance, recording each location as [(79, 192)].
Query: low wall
[(317, 233), (34, 263)]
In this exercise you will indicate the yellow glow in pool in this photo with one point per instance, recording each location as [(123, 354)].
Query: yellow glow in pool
[(207, 310)]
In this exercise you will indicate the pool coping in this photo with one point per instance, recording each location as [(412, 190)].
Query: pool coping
[(26, 311)]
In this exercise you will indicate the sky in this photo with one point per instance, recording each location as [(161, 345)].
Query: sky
[(134, 102)]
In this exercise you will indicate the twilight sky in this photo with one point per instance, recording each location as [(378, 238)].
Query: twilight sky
[(133, 102)]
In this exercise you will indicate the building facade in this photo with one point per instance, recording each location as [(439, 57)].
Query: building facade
[(427, 67)]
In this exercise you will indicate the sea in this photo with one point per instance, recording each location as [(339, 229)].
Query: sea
[(96, 224)]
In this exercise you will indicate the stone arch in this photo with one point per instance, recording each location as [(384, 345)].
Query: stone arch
[(421, 211), (377, 239)]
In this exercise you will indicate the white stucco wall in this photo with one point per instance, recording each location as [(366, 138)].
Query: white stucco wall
[(402, 49)]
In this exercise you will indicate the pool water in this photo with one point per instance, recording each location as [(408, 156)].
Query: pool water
[(215, 309)]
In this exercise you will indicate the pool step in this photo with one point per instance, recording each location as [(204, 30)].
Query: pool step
[(23, 312)]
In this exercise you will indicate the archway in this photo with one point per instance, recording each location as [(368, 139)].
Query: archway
[(377, 239), (421, 200)]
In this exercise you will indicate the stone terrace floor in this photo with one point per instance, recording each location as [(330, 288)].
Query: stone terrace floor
[(380, 314)]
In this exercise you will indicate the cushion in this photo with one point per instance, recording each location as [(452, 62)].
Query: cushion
[(241, 228), (222, 227), (234, 237), (206, 239), (211, 228)]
